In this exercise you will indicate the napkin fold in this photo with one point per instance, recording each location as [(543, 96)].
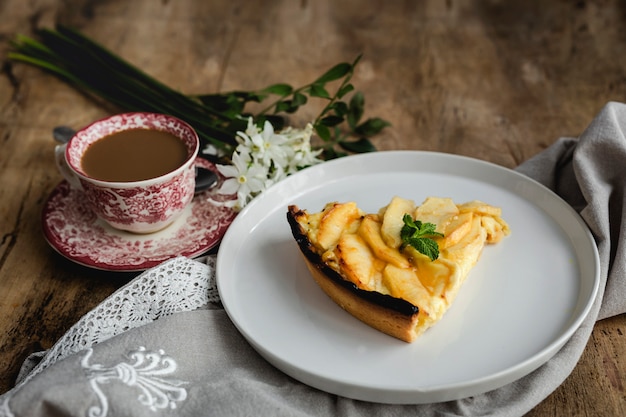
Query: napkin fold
[(589, 173), (163, 345)]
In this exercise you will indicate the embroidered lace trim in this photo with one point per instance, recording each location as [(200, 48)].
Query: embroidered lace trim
[(179, 284)]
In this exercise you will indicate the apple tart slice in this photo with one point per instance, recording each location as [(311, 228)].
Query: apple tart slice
[(400, 269)]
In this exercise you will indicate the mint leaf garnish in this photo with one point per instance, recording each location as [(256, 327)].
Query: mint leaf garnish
[(420, 236)]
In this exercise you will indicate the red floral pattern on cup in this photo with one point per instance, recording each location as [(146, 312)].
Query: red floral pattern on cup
[(154, 205), (141, 206)]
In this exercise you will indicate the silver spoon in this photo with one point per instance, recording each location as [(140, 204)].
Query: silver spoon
[(205, 178)]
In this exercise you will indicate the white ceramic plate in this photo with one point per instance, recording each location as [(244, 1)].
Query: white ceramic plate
[(520, 304)]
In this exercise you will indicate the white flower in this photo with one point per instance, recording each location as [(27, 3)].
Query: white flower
[(211, 149), (263, 158), (244, 178), (265, 145), (300, 142)]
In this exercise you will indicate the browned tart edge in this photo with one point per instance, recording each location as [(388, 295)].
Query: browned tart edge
[(393, 316)]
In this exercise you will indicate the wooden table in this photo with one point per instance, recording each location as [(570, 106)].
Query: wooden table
[(499, 81)]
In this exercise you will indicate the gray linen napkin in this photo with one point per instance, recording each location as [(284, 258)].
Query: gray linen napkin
[(169, 355)]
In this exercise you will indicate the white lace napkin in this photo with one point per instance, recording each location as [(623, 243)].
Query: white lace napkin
[(174, 286), (162, 344)]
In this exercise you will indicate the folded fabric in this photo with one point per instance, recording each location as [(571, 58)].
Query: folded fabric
[(590, 174), (162, 344)]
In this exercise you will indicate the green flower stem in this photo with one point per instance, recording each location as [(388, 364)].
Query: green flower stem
[(217, 118)]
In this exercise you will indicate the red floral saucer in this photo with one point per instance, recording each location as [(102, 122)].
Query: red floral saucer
[(76, 232)]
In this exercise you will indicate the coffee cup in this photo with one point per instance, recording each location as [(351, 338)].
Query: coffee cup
[(136, 170)]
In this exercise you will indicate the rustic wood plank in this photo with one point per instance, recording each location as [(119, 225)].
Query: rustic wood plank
[(498, 81)]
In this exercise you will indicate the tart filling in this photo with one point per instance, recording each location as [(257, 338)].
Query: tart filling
[(365, 263)]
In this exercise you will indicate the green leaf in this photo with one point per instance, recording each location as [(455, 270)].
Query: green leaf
[(339, 107), (331, 120), (299, 99), (279, 89), (318, 90), (330, 153), (371, 126), (344, 90), (420, 236), (291, 106), (284, 105), (355, 109), (323, 132), (358, 146), (335, 73), (426, 247)]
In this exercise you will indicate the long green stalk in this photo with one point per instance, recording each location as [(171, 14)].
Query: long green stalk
[(217, 118), (91, 68)]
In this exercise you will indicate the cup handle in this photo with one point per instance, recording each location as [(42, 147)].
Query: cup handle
[(64, 169), (205, 177)]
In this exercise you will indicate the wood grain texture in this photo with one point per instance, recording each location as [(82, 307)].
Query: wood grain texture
[(495, 80)]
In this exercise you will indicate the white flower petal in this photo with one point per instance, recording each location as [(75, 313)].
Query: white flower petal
[(229, 187), (227, 170)]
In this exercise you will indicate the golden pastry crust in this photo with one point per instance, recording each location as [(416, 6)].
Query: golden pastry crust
[(393, 316), (358, 261)]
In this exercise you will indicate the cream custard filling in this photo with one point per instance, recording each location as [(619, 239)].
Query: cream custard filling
[(367, 249)]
